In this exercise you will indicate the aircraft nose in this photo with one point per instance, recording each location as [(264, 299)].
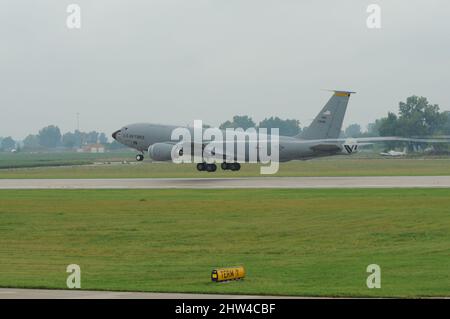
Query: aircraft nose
[(115, 134)]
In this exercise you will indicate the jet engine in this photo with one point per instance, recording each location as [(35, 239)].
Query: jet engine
[(350, 146), (165, 151)]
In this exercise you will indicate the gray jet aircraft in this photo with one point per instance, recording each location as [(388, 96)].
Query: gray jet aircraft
[(320, 139)]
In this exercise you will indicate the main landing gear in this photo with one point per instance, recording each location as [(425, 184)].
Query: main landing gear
[(230, 166), (213, 167), (206, 167), (139, 157)]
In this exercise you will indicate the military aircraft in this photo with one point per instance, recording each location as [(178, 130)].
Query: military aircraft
[(319, 139), (393, 153)]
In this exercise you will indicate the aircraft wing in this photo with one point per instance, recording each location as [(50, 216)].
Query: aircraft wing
[(379, 139), (328, 148)]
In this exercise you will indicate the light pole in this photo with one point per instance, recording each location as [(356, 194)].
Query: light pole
[(78, 128)]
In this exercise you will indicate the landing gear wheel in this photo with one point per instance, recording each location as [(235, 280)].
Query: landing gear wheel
[(224, 166), (235, 166), (206, 167), (201, 167), (139, 157)]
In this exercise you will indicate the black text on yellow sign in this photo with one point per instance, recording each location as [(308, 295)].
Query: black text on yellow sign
[(225, 274)]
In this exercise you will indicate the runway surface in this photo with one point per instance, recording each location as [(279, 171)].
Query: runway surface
[(249, 182), (15, 293)]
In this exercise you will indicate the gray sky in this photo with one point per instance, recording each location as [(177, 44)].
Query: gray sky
[(173, 61)]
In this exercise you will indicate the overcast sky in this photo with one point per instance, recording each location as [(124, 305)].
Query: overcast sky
[(173, 61)]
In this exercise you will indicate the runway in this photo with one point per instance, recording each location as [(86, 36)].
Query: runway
[(232, 183), (17, 293)]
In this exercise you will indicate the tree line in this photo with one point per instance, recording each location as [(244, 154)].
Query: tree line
[(50, 137), (289, 127), (415, 117)]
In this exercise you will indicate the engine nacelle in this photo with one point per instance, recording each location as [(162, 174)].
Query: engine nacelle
[(350, 146), (164, 151)]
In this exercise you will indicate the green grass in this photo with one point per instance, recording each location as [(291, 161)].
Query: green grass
[(292, 242), (45, 159), (333, 166)]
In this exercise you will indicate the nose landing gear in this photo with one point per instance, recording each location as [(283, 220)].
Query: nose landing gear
[(139, 157)]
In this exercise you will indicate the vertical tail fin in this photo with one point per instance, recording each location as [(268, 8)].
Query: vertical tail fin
[(328, 122)]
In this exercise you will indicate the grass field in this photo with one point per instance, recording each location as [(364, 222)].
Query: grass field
[(333, 166), (292, 242), (45, 159)]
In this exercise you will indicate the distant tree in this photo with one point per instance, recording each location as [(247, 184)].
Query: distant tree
[(286, 127), (226, 124), (244, 122), (70, 140), (7, 144), (417, 117), (373, 129), (114, 145), (445, 130), (50, 136), (389, 125), (31, 142), (102, 138), (80, 138), (353, 130), (77, 138), (91, 137), (239, 121)]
